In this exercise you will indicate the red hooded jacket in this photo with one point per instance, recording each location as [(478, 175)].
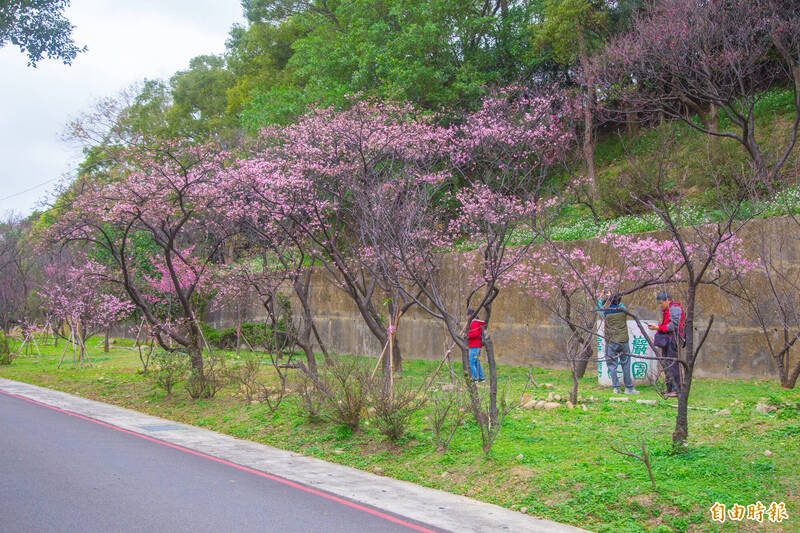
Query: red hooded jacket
[(474, 335)]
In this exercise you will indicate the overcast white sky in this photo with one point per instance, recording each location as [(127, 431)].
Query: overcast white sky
[(128, 41)]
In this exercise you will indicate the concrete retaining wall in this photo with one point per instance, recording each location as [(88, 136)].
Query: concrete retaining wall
[(524, 331)]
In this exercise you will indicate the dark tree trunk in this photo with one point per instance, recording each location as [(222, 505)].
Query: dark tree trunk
[(588, 121), (582, 363), (573, 393), (321, 344), (397, 359), (789, 380), (681, 432), (195, 351), (312, 362), (687, 355), (494, 413)]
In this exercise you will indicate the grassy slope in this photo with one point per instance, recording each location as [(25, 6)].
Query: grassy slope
[(567, 471), (615, 154)]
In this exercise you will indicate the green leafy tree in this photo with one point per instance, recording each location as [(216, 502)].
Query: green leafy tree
[(572, 29), (39, 29), (569, 32), (433, 53), (257, 56), (200, 102)]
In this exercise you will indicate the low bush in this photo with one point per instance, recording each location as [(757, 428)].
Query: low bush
[(448, 407), (6, 354), (393, 406), (170, 369), (311, 401), (207, 385), (341, 389), (245, 374)]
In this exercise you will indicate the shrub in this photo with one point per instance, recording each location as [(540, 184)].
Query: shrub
[(340, 388), (211, 335), (447, 410), (245, 374), (311, 401), (6, 354), (393, 407), (171, 367), (207, 385)]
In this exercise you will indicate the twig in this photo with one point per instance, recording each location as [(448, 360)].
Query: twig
[(644, 458)]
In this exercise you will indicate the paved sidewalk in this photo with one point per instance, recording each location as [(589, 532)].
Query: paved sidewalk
[(437, 508)]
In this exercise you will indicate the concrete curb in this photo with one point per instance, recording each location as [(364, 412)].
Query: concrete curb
[(434, 507)]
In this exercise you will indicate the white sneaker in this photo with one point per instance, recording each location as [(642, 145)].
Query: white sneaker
[(631, 391), (616, 390)]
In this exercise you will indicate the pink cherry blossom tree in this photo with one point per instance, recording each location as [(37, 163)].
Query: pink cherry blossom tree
[(80, 294), (306, 176), (704, 247), (494, 180), (683, 58), (570, 279), (172, 198), (16, 272)]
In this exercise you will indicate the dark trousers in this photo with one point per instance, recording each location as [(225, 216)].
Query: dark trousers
[(672, 369)]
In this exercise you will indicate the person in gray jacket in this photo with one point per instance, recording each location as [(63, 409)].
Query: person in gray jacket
[(617, 350), (672, 325)]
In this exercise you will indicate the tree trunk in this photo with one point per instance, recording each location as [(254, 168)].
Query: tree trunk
[(106, 342), (301, 284), (681, 432), (687, 355), (789, 380), (305, 342), (713, 119), (312, 362), (195, 351), (397, 359), (588, 121), (494, 413), (583, 362), (322, 347), (573, 393)]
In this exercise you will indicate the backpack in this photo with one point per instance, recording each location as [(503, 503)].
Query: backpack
[(682, 323)]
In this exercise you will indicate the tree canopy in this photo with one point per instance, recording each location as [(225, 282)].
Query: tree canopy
[(39, 28)]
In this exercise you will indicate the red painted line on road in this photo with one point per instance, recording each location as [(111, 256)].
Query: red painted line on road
[(234, 465)]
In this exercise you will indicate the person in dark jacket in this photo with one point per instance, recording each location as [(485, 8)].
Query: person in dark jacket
[(672, 320), (475, 343), (617, 350)]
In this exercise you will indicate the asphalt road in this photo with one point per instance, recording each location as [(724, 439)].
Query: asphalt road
[(62, 473)]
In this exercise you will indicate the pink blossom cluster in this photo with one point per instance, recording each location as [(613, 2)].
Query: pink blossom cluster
[(78, 294), (191, 273)]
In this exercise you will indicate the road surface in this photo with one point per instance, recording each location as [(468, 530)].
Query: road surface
[(64, 473)]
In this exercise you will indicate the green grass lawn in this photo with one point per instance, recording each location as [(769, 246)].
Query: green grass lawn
[(554, 464)]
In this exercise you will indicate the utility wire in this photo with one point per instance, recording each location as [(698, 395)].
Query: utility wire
[(29, 189)]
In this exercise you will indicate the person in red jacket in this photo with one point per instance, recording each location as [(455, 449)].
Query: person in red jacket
[(672, 323), (475, 343)]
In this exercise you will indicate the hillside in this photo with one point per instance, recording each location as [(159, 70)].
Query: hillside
[(692, 156)]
